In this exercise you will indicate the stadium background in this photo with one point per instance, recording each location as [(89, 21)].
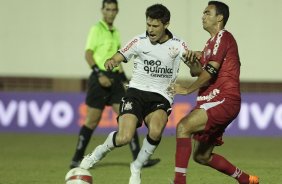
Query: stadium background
[(42, 51)]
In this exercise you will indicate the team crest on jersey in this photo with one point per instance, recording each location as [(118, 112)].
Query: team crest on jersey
[(128, 106), (173, 52), (207, 54)]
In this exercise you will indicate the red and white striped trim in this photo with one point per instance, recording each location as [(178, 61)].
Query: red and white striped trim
[(85, 178), (180, 170)]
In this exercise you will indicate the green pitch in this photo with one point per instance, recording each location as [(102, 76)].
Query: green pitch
[(44, 159)]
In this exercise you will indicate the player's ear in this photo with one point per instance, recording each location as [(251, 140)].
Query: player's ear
[(220, 18), (166, 25)]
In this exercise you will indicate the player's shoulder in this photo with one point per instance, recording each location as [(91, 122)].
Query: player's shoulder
[(224, 33), (138, 38), (96, 27), (177, 41), (142, 36), (101, 26)]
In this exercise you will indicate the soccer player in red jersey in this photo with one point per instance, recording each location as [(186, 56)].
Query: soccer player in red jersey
[(218, 103)]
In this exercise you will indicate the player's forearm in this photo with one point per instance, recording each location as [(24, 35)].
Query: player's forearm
[(202, 81), (195, 71), (195, 68), (118, 58)]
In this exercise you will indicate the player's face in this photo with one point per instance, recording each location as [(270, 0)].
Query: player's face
[(156, 30), (109, 12), (209, 18)]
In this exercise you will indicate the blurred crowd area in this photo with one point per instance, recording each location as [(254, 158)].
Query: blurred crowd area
[(26, 84)]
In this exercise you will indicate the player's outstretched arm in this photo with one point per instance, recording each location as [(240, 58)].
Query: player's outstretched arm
[(192, 60), (195, 68), (206, 75), (114, 61)]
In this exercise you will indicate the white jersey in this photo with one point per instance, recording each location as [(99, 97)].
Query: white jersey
[(155, 66)]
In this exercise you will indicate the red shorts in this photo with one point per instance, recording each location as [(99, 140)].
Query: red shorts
[(220, 115)]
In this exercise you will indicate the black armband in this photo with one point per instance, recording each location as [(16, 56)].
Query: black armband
[(211, 70), (96, 70)]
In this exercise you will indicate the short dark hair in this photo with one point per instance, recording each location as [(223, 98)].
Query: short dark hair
[(158, 11), (108, 2), (221, 9)]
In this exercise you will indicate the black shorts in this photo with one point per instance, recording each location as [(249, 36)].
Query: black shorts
[(98, 96), (141, 103)]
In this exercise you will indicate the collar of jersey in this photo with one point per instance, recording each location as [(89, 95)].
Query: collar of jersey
[(170, 35), (105, 25)]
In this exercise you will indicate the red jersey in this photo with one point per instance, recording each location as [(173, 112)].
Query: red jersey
[(222, 48)]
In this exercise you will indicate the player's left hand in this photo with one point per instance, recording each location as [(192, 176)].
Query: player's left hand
[(190, 57), (175, 89)]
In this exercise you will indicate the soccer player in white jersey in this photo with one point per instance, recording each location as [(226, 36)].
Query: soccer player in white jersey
[(156, 55)]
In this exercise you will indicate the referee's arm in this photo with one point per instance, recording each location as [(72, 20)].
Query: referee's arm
[(89, 58)]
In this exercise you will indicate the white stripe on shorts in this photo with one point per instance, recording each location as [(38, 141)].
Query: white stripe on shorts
[(180, 170), (209, 105)]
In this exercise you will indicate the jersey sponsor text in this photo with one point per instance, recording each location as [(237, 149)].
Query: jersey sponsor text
[(153, 67)]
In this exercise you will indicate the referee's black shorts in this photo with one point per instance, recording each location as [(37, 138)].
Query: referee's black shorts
[(98, 96)]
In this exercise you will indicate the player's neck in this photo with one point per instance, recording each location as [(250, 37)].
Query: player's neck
[(213, 31), (164, 39), (109, 24)]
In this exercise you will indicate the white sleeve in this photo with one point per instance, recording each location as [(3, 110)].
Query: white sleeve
[(183, 47), (130, 49)]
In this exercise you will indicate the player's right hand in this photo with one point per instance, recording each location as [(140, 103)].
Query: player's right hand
[(110, 64), (177, 89)]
